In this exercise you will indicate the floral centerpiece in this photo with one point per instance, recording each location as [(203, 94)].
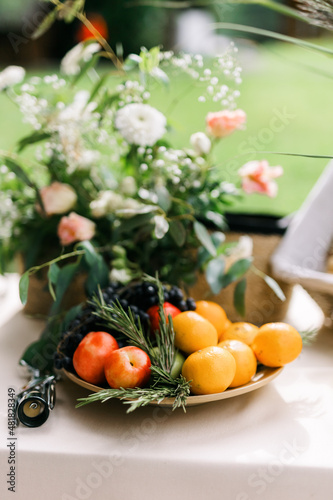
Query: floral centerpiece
[(106, 189)]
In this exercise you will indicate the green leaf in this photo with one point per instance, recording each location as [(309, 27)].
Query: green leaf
[(72, 314), (64, 279), (85, 68), (239, 297), (52, 275), (133, 223), (203, 236), (164, 198), (18, 171), (40, 354), (236, 271), (32, 139), (23, 287), (98, 274), (273, 285), (177, 232), (98, 86), (45, 24), (214, 274), (53, 272)]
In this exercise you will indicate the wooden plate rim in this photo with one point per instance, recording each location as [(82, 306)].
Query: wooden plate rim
[(263, 376)]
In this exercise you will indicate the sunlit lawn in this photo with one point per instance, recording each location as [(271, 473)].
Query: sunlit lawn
[(278, 81)]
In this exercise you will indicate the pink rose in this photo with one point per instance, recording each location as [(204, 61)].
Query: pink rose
[(223, 123), (257, 177), (74, 227), (58, 198)]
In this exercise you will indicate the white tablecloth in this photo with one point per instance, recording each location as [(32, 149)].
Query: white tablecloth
[(272, 444)]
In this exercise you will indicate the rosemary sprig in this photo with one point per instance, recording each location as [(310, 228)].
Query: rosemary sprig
[(309, 336), (165, 337), (137, 396), (162, 384), (115, 317)]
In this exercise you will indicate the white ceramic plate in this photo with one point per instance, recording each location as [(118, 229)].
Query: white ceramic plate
[(263, 376)]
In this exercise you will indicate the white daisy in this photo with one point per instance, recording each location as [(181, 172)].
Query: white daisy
[(140, 124)]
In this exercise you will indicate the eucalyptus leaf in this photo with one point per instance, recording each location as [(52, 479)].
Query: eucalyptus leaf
[(23, 287), (214, 274), (177, 232), (53, 272), (273, 285), (64, 279), (204, 237), (239, 297), (236, 271), (164, 198), (18, 171), (40, 354)]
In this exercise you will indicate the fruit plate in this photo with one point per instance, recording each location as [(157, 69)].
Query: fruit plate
[(263, 376)]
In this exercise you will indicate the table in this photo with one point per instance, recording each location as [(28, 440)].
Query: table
[(272, 444)]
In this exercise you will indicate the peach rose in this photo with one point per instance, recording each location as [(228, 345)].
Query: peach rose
[(258, 177), (58, 198), (223, 123), (74, 227)]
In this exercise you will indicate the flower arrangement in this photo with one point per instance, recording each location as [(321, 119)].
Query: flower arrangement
[(106, 188)]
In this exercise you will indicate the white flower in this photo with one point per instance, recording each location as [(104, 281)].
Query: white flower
[(107, 202), (120, 275), (140, 124), (70, 64), (79, 110), (10, 76), (128, 186), (161, 226), (200, 143)]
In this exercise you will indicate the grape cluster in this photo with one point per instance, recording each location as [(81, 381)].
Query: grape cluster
[(145, 295), (137, 298)]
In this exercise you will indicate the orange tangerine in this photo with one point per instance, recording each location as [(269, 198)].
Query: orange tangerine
[(226, 326), (246, 362), (193, 332), (210, 370), (214, 313), (245, 332), (277, 344)]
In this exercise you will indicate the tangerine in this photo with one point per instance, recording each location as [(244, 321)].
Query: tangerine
[(193, 332), (277, 344), (214, 313), (210, 370), (245, 332), (246, 362)]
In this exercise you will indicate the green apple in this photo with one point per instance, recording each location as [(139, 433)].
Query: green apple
[(177, 363)]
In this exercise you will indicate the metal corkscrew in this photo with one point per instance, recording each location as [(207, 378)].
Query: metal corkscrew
[(37, 398)]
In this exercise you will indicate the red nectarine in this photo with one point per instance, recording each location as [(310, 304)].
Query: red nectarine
[(90, 355), (127, 367)]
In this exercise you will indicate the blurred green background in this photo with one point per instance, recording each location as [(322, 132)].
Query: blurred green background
[(285, 91)]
